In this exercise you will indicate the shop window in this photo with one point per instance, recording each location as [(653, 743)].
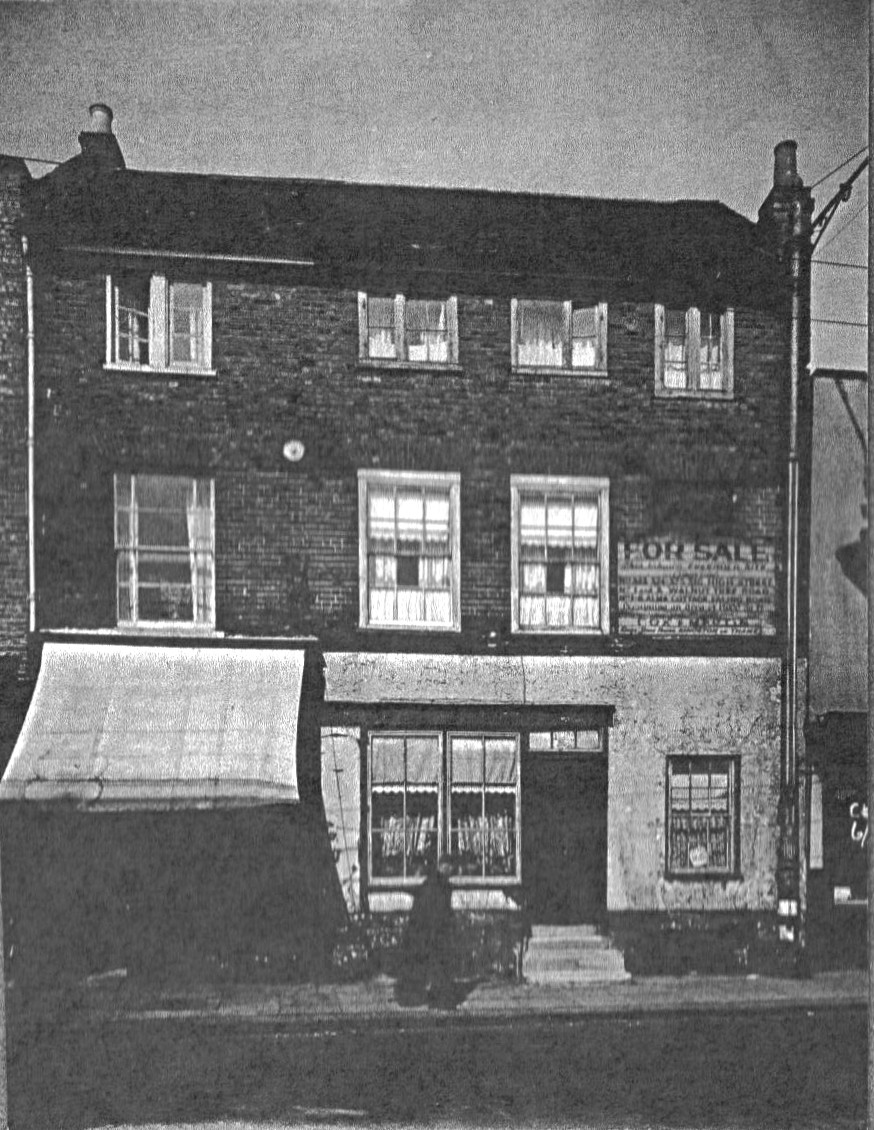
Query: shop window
[(405, 777), (436, 793), (559, 335), (396, 328), (702, 816), (165, 550), (158, 323), (560, 555), (409, 550), (694, 352)]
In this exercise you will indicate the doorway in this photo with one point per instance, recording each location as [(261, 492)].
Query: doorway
[(564, 804)]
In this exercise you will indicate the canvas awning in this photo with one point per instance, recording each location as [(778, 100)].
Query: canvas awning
[(155, 727)]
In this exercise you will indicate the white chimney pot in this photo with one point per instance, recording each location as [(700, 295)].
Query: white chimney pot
[(101, 118)]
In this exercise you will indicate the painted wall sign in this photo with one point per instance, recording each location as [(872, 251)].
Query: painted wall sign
[(669, 586), (859, 823)]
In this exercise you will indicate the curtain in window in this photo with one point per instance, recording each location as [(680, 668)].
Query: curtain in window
[(186, 324), (710, 373), (425, 331), (559, 581), (675, 375), (541, 333), (199, 520), (584, 337), (381, 328), (131, 299)]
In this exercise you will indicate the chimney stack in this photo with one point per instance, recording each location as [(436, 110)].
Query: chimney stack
[(100, 148), (785, 165), (786, 213)]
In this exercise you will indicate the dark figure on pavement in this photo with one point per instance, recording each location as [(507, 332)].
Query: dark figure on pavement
[(428, 942)]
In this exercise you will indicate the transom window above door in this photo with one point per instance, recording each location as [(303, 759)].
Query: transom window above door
[(550, 334), (414, 331), (560, 554)]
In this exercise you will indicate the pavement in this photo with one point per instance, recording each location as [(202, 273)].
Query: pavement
[(116, 997)]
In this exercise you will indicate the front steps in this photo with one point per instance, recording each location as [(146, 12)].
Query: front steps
[(571, 955)]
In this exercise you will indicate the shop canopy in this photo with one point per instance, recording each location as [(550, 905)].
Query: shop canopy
[(118, 726)]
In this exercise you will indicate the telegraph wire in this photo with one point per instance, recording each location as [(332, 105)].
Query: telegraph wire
[(835, 263), (838, 168), (844, 227)]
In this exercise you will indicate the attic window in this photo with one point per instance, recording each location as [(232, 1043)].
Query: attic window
[(694, 352), (559, 335), (412, 331), (158, 324)]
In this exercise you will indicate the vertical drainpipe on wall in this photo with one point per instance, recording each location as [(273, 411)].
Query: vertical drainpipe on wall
[(31, 429)]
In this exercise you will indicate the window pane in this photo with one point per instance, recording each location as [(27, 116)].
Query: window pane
[(500, 834), (540, 326), (467, 761), (387, 764), (466, 832), (186, 324), (131, 296), (500, 761), (540, 740), (423, 760), (701, 815), (425, 331), (584, 331), (381, 327)]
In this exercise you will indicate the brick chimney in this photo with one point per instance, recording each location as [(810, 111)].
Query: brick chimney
[(788, 209), (100, 148)]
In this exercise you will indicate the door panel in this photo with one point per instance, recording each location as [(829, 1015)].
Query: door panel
[(564, 805)]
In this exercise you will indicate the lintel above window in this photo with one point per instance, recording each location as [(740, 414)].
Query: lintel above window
[(559, 335), (397, 329), (694, 352), (158, 324)]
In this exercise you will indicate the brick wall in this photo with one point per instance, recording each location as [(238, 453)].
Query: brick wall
[(287, 534), (13, 413)]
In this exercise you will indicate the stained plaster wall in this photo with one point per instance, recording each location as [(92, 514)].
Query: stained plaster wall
[(662, 706)]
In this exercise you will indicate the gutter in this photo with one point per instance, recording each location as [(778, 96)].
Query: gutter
[(31, 431), (200, 256)]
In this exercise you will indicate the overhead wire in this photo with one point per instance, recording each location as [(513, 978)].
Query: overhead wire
[(838, 168)]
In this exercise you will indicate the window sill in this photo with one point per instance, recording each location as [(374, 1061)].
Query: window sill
[(693, 393), (559, 371), (371, 364), (171, 628), (576, 633), (703, 876), (407, 627), (170, 371), (456, 882)]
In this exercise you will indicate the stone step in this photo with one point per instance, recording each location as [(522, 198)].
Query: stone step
[(571, 955), (582, 930)]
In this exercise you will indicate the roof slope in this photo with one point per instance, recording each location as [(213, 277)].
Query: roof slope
[(344, 226)]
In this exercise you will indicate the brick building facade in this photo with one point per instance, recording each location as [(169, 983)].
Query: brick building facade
[(514, 466)]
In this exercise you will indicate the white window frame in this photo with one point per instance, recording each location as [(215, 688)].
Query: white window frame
[(400, 360), (448, 482), (693, 386), (444, 806), (404, 879), (132, 552), (561, 485), (159, 328), (599, 369)]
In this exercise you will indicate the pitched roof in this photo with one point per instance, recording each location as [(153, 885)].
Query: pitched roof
[(354, 227)]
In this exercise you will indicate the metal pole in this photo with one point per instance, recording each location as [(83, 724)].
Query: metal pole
[(870, 584)]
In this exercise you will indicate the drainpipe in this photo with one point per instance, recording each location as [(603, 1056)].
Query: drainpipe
[(31, 429)]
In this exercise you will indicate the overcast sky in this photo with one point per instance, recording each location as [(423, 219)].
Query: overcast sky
[(626, 98)]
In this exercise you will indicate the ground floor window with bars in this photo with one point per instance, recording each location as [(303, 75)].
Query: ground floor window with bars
[(444, 793), (703, 815)]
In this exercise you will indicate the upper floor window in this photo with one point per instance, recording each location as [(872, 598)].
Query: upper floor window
[(560, 554), (409, 560), (703, 814), (559, 335), (165, 550), (158, 323), (413, 330), (694, 352)]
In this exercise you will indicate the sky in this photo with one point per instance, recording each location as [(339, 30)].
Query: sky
[(622, 98)]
